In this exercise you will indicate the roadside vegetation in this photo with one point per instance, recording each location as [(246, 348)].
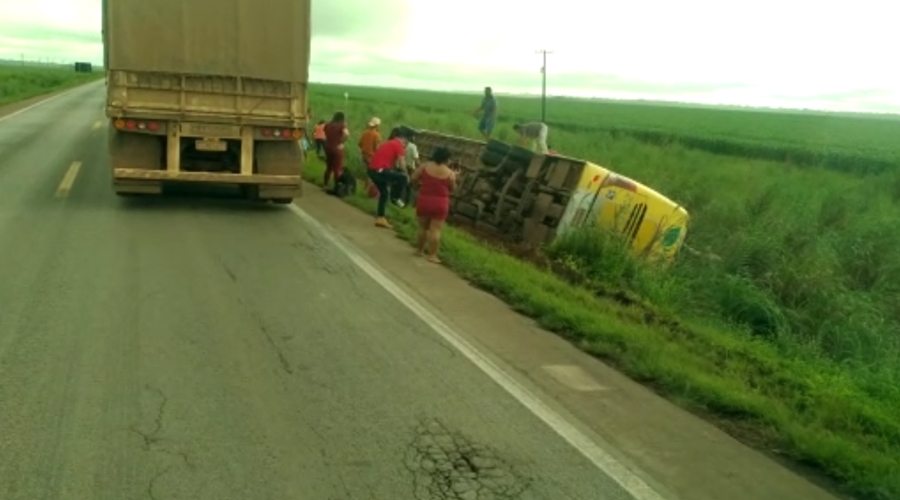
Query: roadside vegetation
[(18, 83), (788, 339)]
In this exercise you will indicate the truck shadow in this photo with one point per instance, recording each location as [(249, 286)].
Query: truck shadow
[(198, 197)]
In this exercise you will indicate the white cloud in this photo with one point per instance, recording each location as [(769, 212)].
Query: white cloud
[(785, 49)]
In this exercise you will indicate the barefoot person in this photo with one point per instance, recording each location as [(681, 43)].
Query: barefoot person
[(436, 181)]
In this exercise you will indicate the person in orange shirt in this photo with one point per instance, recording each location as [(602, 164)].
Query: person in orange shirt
[(369, 140), (319, 137)]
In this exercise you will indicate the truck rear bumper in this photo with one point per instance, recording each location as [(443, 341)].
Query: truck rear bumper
[(165, 175)]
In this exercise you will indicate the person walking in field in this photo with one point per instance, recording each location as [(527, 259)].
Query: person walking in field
[(336, 134), (436, 181), (488, 112), (319, 138), (387, 170), (534, 133)]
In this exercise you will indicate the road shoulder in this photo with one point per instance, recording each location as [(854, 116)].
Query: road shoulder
[(687, 455)]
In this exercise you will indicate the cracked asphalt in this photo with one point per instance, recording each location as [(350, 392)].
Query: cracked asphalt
[(207, 349)]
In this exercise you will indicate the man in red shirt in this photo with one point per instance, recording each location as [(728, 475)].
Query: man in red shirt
[(387, 169), (336, 134)]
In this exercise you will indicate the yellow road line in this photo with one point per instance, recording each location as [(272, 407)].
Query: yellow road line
[(97, 124), (68, 180)]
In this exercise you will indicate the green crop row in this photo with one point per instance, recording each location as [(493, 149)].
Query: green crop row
[(18, 83), (844, 142)]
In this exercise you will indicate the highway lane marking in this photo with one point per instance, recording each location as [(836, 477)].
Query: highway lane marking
[(628, 480), (44, 101), (68, 180), (574, 377)]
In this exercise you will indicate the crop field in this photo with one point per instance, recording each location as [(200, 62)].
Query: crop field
[(18, 83), (847, 142), (789, 338)]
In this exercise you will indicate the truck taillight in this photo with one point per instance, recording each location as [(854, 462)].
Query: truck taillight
[(282, 133), (136, 125)]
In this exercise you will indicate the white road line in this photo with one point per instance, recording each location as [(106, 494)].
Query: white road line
[(43, 101), (629, 481)]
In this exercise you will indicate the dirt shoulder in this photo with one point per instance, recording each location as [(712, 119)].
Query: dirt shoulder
[(681, 452)]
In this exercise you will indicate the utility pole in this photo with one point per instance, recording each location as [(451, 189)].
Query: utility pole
[(544, 53)]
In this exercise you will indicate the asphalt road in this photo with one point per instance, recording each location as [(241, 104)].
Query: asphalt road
[(186, 348)]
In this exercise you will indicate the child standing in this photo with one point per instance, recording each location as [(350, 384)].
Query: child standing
[(319, 137)]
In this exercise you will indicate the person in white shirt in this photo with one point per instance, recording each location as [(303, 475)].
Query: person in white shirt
[(412, 163), (535, 133)]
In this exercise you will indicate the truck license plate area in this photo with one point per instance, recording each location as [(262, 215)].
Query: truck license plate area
[(210, 144)]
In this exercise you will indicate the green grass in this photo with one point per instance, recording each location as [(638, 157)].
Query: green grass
[(855, 143), (792, 336), (18, 83)]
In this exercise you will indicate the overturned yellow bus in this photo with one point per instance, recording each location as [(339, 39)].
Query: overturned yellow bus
[(534, 199)]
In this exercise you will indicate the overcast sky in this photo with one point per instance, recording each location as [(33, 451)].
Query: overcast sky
[(801, 53)]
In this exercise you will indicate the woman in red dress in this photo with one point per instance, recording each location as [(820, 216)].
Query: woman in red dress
[(336, 134), (436, 181)]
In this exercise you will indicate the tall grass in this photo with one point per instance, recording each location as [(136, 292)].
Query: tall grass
[(806, 264), (18, 83)]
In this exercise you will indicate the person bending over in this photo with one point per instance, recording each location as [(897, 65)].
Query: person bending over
[(387, 170), (436, 181), (535, 133)]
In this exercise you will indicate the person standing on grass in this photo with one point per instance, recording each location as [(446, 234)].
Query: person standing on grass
[(488, 112), (336, 134), (383, 171), (535, 133), (369, 140), (319, 138), (436, 181)]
